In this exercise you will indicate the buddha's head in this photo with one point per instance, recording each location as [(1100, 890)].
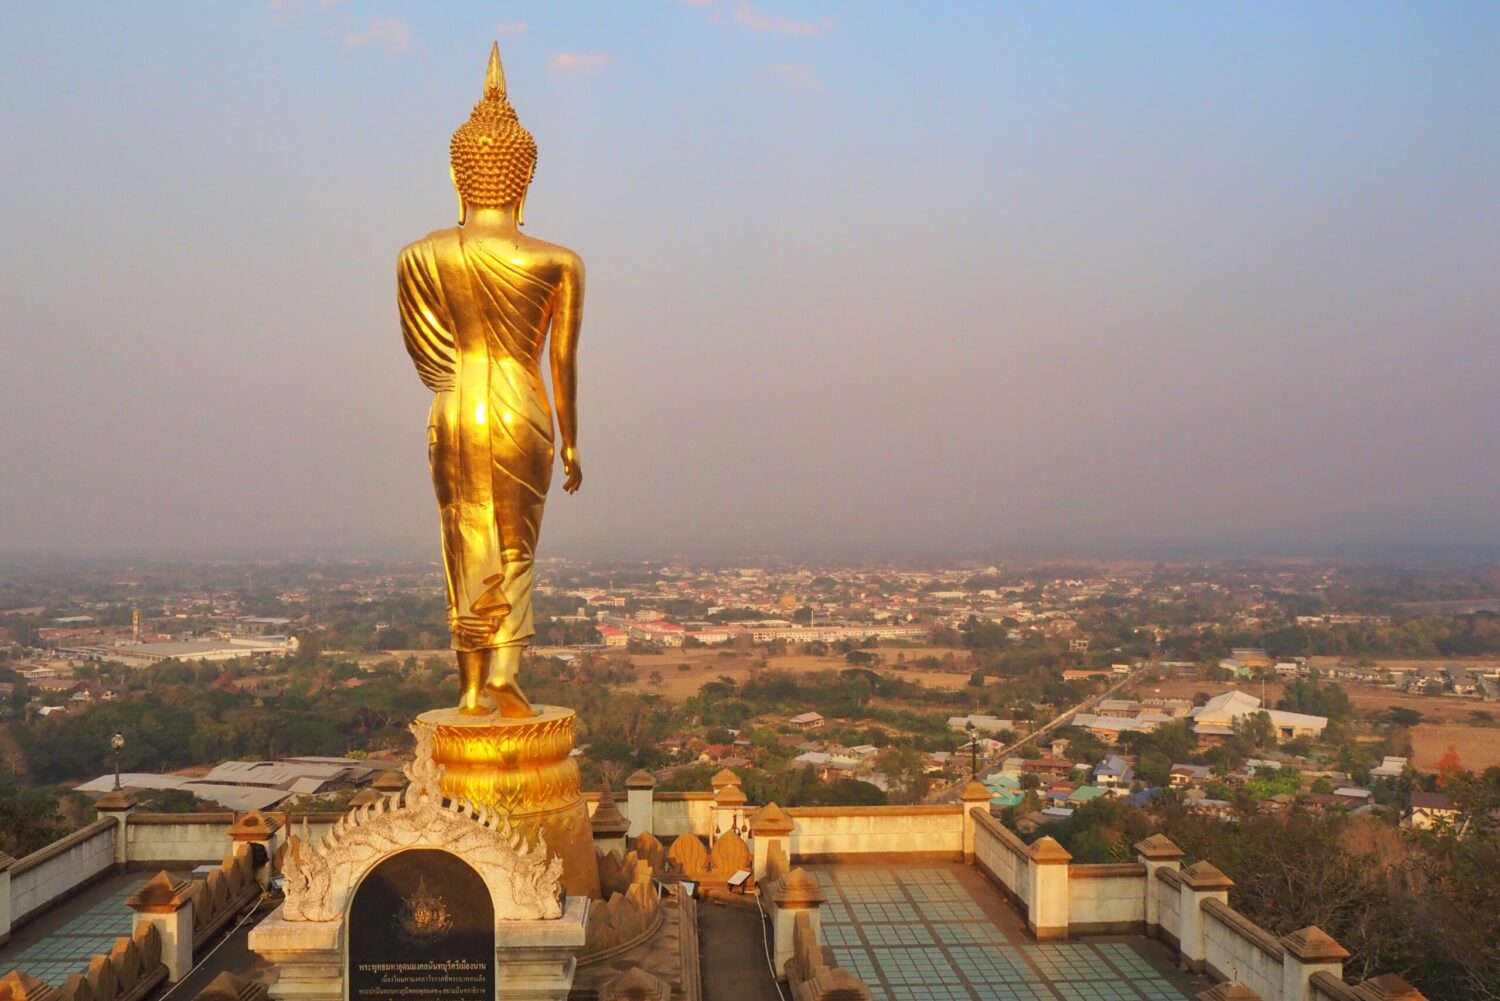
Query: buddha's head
[(493, 156)]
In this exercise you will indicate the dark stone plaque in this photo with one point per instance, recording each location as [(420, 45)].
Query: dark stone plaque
[(422, 926)]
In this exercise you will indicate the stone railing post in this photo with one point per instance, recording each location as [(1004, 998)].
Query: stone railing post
[(799, 893), (228, 987), (167, 903), (768, 826), (1229, 990), (18, 986), (536, 960), (118, 805), (639, 792), (974, 797), (1388, 987), (5, 910), (1047, 915), (1200, 882), (1308, 951), (259, 832), (635, 984), (609, 824), (1156, 852), (723, 777), (729, 804)]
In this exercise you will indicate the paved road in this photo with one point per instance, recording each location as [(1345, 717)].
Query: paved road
[(949, 793)]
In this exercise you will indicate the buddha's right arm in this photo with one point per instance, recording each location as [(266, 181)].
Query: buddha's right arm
[(425, 325), (567, 321)]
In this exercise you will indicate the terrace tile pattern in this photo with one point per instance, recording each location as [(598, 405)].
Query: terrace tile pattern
[(917, 933), (67, 950)]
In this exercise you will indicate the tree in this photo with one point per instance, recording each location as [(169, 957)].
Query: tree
[(1154, 768), (1401, 716), (1310, 696), (28, 820), (852, 792), (1448, 767), (1257, 728), (905, 770), (309, 649), (20, 694)]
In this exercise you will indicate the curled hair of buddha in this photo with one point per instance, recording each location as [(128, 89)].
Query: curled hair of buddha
[(492, 153)]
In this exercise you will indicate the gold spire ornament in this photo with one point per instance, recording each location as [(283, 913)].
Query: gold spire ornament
[(480, 303)]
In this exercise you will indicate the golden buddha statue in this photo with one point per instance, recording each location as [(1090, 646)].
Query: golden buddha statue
[(477, 302)]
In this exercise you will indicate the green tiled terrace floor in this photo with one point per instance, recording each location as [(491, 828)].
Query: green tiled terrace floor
[(918, 933), (68, 949)]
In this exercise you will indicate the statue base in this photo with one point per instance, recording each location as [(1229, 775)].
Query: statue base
[(524, 769)]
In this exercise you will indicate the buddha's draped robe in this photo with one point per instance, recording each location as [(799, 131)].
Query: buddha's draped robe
[(475, 325)]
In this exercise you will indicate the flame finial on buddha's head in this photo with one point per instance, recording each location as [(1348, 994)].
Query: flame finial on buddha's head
[(493, 155)]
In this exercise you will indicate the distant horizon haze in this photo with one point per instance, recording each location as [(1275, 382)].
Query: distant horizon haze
[(865, 282)]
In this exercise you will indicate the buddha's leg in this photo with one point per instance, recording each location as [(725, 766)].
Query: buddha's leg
[(523, 467), (470, 638)]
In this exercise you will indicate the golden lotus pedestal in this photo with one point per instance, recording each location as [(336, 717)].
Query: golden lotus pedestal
[(524, 769)]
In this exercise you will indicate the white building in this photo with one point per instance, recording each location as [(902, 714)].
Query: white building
[(1227, 708), (141, 654), (982, 723)]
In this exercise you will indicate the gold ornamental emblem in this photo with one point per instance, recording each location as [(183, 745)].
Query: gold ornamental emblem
[(423, 915)]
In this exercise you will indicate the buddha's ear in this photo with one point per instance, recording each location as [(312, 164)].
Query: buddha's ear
[(463, 209), (521, 202)]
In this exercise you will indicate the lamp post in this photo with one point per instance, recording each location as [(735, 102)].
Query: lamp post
[(973, 749), (118, 743)]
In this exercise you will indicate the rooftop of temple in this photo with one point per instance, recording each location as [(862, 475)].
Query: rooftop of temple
[(701, 897)]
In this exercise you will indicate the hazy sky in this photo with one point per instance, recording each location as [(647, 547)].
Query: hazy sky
[(864, 279)]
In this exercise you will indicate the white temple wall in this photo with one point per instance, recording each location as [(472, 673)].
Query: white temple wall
[(929, 831), (682, 813), (1003, 857), (1235, 948), (57, 871), (1106, 899), (1169, 909), (159, 839)]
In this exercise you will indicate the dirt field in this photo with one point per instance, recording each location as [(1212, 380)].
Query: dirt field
[(707, 665), (1482, 666), (1478, 746)]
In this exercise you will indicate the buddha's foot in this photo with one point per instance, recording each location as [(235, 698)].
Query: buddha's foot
[(473, 705), (508, 698), (471, 668)]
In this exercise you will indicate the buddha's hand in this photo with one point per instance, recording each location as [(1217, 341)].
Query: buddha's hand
[(572, 468)]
